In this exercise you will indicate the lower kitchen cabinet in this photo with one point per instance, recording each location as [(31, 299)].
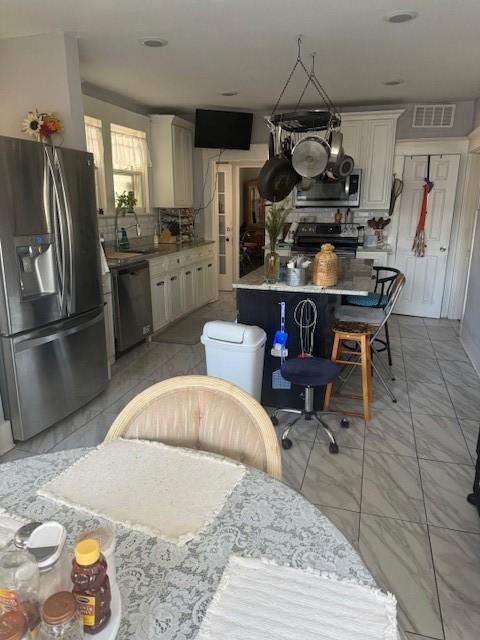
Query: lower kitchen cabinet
[(181, 283), (159, 302)]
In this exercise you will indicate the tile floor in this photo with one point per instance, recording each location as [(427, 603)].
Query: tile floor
[(396, 489)]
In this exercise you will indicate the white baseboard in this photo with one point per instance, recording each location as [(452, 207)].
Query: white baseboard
[(6, 439), (472, 348)]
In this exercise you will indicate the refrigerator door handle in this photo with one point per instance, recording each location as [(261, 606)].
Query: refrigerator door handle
[(59, 229), (71, 293)]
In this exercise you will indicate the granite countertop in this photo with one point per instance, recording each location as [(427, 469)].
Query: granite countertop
[(146, 252), (354, 278)]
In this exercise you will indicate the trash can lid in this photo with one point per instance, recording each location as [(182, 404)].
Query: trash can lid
[(244, 334)]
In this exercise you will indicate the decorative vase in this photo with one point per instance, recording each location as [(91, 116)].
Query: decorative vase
[(272, 267), (325, 267)]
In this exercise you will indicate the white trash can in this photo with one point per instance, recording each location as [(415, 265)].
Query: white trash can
[(235, 352)]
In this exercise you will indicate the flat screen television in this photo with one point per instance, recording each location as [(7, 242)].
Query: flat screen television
[(222, 129)]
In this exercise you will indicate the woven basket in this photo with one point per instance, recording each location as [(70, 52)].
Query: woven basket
[(325, 267)]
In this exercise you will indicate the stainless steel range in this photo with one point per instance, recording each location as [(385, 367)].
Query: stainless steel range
[(311, 235)]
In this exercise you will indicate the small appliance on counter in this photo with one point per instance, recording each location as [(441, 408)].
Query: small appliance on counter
[(311, 235)]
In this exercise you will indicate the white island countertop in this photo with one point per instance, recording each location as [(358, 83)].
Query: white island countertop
[(355, 278)]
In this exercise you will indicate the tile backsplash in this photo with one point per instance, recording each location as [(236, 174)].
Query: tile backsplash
[(148, 223)]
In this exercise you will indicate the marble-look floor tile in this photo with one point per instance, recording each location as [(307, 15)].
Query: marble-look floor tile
[(440, 438), (456, 557), (390, 432), (418, 348), (353, 436), (413, 331), (392, 487), (303, 429), (470, 430), (441, 333), (334, 480), (430, 399), (449, 350), (383, 402), (423, 370), (408, 320), (459, 373), (294, 463), (90, 435), (445, 487), (466, 401), (347, 522), (15, 454), (415, 636), (398, 555)]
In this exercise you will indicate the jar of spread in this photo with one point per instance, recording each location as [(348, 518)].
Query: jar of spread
[(61, 618), (19, 586), (91, 586), (14, 626)]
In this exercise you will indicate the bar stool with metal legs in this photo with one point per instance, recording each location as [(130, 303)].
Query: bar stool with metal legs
[(309, 373), (371, 320)]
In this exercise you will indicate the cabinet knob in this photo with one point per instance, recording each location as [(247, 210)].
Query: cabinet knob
[(173, 278), (187, 273), (160, 284)]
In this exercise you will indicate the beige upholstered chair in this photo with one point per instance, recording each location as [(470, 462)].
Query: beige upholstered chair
[(201, 412)]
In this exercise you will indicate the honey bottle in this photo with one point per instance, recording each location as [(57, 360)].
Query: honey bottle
[(91, 586)]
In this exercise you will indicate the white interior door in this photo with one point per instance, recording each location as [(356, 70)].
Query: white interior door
[(425, 277), (224, 217)]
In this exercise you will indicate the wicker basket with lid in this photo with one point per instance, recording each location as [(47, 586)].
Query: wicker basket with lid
[(325, 267)]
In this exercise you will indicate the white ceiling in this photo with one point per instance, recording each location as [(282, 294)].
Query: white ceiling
[(249, 46)]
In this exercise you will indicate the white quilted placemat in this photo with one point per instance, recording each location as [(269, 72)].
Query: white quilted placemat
[(258, 600), (164, 491)]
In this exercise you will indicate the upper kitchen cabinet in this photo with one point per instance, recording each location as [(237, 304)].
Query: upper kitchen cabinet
[(369, 137), (172, 170)]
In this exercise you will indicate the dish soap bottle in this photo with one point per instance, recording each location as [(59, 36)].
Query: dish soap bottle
[(124, 244), (91, 586)]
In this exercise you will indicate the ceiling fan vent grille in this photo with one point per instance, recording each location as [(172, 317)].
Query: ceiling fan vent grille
[(429, 116)]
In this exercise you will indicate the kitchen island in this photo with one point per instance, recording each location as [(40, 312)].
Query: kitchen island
[(258, 303)]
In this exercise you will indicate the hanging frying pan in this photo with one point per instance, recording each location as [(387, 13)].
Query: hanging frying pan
[(336, 148), (271, 145), (310, 156), (277, 176), (345, 167)]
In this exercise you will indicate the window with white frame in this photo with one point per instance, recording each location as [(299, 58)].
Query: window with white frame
[(94, 136), (130, 162)]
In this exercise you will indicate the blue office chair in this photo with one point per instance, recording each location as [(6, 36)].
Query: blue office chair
[(309, 373), (378, 298)]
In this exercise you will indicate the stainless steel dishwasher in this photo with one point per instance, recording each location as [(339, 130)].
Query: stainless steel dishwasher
[(132, 305)]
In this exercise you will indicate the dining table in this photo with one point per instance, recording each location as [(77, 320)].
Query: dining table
[(166, 588)]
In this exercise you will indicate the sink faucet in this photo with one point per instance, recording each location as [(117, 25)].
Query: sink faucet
[(136, 225)]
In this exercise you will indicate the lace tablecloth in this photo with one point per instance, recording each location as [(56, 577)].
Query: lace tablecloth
[(166, 588)]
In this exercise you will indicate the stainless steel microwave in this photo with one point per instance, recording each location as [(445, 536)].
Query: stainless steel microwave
[(331, 193)]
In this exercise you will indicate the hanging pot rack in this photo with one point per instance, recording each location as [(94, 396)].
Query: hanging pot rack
[(303, 121)]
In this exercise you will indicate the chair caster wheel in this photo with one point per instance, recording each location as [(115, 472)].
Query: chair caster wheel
[(333, 447), (274, 420), (286, 443), (395, 401), (394, 379), (344, 423)]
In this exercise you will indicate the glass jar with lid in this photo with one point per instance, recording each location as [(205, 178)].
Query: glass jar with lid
[(61, 618), (19, 585), (14, 626)]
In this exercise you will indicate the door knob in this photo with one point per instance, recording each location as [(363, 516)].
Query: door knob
[(443, 248), (227, 239)]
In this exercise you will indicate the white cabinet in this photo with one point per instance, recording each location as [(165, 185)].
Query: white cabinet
[(380, 258), (159, 302), (379, 149), (174, 295), (172, 161), (189, 288), (369, 137), (211, 286), (182, 282)]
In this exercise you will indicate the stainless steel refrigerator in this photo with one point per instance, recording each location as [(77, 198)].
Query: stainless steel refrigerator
[(53, 356)]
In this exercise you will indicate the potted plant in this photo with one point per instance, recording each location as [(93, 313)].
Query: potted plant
[(126, 202), (276, 219)]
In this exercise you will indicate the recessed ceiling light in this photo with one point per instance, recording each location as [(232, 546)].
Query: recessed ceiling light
[(229, 94), (155, 43), (397, 17), (393, 83)]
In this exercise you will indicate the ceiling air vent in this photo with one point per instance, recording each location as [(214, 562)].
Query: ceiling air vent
[(429, 116)]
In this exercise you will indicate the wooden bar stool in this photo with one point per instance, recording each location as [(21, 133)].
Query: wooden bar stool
[(359, 333)]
